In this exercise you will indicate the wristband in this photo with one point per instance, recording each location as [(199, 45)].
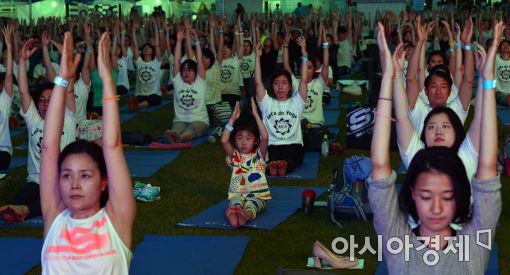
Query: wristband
[(489, 84), (196, 42), (325, 45), (452, 44), (59, 81), (285, 46), (459, 44), (229, 127), (468, 47), (88, 50), (304, 58), (221, 31)]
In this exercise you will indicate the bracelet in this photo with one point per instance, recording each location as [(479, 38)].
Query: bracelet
[(384, 115), (285, 46), (468, 47), (385, 98), (221, 31), (196, 42), (229, 127), (489, 84), (325, 45), (112, 98), (88, 50), (459, 44), (304, 58), (452, 44)]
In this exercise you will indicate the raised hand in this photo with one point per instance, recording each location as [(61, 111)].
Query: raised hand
[(488, 70), (254, 110), (237, 112), (27, 51), (103, 57), (467, 33), (421, 30), (399, 59), (45, 39), (180, 33), (258, 49), (301, 41), (69, 62), (384, 51), (7, 33), (480, 57)]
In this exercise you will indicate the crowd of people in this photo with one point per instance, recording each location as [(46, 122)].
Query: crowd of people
[(253, 79)]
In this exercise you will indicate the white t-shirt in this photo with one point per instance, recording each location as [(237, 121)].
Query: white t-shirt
[(5, 109), (247, 65), (313, 109), (344, 54), (84, 246), (122, 76), (130, 55), (230, 76), (189, 101), (279, 59), (35, 125), (15, 68), (40, 70), (81, 96), (283, 119), (148, 77), (327, 90), (421, 110), (213, 81), (503, 75), (467, 154)]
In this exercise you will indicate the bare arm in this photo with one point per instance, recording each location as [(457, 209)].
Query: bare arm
[(412, 86), (121, 206), (380, 148), (225, 137), (134, 40), (466, 86), (239, 41), (325, 59), (25, 54), (303, 86), (178, 51), (286, 64), (264, 136), (259, 85), (487, 161), (85, 70), (51, 201), (7, 33), (159, 54), (200, 64)]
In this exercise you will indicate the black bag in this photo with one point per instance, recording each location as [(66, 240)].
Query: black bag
[(360, 126), (313, 136)]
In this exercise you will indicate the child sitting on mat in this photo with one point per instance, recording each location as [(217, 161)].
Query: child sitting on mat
[(246, 145)]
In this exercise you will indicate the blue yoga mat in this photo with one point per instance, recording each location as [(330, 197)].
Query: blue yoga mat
[(402, 169), (307, 170), (32, 222), (492, 269), (15, 163), (504, 115), (18, 131), (164, 102), (286, 200), (126, 116), (334, 130), (331, 117), (19, 255), (333, 105), (335, 93), (188, 255), (146, 164)]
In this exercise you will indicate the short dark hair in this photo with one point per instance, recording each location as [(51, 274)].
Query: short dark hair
[(209, 54), (246, 122), (95, 152), (190, 64), (287, 75), (41, 87), (501, 43), (443, 160), (440, 73), (433, 53), (458, 128), (153, 50)]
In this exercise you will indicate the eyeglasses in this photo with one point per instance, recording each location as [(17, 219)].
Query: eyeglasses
[(44, 100)]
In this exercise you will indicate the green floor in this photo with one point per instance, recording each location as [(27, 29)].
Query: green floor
[(199, 178)]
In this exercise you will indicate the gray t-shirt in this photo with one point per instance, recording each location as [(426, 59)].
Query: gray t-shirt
[(389, 221)]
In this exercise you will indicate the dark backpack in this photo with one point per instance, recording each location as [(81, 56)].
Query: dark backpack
[(348, 192)]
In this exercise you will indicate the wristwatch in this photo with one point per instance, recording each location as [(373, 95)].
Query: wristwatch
[(59, 81)]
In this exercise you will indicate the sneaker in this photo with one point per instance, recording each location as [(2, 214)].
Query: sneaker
[(148, 193)]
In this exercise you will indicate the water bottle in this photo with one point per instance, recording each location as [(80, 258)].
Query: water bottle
[(325, 146)]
